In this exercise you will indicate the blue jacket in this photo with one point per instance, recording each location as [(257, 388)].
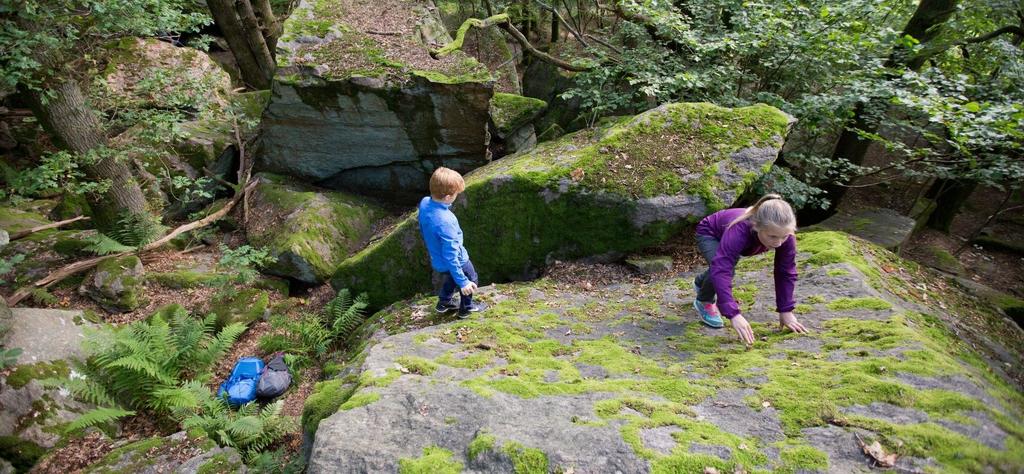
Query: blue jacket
[(443, 237)]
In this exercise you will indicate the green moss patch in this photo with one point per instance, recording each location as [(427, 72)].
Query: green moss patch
[(359, 400), (435, 460), (23, 374), (526, 460), (326, 399), (846, 304), (481, 443), (240, 306), (20, 453)]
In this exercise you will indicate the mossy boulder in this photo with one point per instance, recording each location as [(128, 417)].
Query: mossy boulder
[(34, 253), (358, 109), (33, 412), (117, 284), (309, 231), (606, 191), (240, 306), (555, 378), (512, 117)]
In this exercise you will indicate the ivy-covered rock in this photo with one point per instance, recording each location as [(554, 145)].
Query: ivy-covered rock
[(33, 412), (309, 231), (117, 284), (624, 378), (596, 192), (373, 112)]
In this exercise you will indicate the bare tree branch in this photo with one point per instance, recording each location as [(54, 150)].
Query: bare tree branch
[(53, 225), (554, 11)]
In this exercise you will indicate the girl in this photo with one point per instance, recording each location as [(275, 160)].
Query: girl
[(726, 235)]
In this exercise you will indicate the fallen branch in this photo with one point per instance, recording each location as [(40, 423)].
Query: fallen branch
[(502, 21), (53, 225), (84, 265)]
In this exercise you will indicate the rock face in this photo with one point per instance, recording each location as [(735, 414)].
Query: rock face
[(596, 192), (554, 378), (372, 112), (117, 284), (884, 227), (49, 339), (310, 231)]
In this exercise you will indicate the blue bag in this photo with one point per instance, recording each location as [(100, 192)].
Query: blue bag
[(240, 387)]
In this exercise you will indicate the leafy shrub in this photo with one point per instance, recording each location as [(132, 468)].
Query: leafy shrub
[(276, 462), (310, 337), (245, 260), (158, 365)]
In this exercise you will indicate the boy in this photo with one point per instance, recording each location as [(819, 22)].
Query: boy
[(443, 237)]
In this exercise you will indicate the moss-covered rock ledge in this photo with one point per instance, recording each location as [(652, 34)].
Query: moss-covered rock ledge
[(615, 189), (623, 379), (358, 108), (309, 231)]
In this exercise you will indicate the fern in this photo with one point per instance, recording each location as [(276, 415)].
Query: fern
[(250, 429), (156, 364), (98, 416), (345, 313), (136, 228), (101, 244)]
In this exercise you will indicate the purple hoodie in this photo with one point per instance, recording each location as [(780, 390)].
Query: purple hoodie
[(741, 240)]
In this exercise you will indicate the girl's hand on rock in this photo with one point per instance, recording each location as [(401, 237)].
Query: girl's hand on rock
[(788, 320), (742, 327)]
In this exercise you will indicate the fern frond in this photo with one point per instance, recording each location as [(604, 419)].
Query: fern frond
[(89, 391), (97, 416), (138, 364)]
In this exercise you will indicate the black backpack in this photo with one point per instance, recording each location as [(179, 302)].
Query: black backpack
[(275, 379)]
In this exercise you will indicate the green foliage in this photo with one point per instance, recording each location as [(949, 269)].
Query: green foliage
[(100, 244), (136, 229), (276, 462), (159, 364), (57, 171), (244, 260), (251, 429), (191, 190), (310, 336), (8, 264), (46, 37), (98, 416), (9, 357), (959, 116)]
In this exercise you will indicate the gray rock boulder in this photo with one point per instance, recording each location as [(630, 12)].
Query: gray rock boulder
[(32, 413), (309, 231), (358, 109), (884, 227), (607, 191), (117, 284), (512, 116), (623, 378)]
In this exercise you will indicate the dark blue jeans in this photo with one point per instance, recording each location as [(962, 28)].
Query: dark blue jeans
[(449, 288), (708, 247)]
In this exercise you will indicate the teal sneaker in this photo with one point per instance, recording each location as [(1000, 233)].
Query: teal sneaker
[(709, 314)]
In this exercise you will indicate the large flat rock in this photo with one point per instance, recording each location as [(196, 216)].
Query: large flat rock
[(557, 378)]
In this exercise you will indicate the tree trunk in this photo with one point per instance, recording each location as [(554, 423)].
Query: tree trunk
[(924, 26), (76, 128), (272, 28), (254, 36), (949, 197), (223, 12)]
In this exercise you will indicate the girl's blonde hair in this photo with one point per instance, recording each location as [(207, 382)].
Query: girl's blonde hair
[(772, 210)]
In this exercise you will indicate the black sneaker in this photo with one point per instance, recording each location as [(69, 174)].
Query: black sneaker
[(474, 307), (451, 305)]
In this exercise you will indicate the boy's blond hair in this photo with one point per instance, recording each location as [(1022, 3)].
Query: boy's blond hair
[(445, 182)]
